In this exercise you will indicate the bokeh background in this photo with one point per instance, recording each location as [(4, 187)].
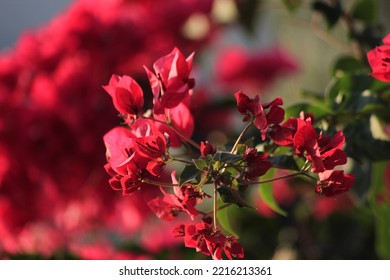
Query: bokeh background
[(55, 201)]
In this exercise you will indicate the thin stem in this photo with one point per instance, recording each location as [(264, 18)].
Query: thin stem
[(178, 132), (309, 176), (277, 178), (240, 136), (160, 184), (284, 177)]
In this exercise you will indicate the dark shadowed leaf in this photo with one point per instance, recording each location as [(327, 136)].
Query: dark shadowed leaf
[(284, 162), (360, 143), (226, 157), (188, 174), (230, 195)]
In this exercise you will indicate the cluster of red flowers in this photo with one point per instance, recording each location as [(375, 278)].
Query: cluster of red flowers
[(323, 153), (138, 153), (53, 112)]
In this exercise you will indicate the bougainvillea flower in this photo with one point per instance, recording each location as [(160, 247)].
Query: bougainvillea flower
[(257, 164), (332, 183), (119, 148), (168, 207), (323, 152), (171, 82), (130, 183), (251, 108), (232, 249), (306, 144), (126, 94), (209, 241), (181, 119), (283, 135), (152, 147), (328, 145), (134, 154), (183, 199), (379, 59)]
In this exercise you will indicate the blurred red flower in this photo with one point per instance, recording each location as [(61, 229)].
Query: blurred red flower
[(238, 68)]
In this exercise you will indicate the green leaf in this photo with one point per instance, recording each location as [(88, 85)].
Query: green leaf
[(347, 64), (266, 193), (224, 219), (226, 157), (284, 162), (331, 13), (292, 5), (319, 111), (364, 10), (189, 173), (230, 195), (201, 164)]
